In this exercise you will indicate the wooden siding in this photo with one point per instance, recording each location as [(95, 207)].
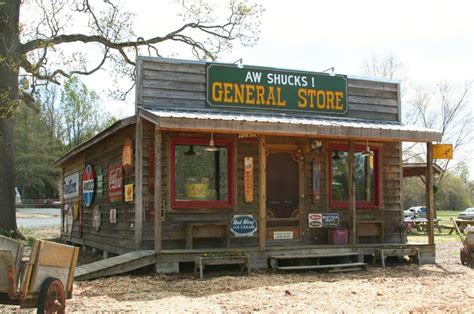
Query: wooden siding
[(165, 83), (116, 238)]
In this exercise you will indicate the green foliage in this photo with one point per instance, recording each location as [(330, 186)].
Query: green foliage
[(452, 194), (67, 118)]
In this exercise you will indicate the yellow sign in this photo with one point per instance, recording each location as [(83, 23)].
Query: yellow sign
[(442, 151), (129, 193)]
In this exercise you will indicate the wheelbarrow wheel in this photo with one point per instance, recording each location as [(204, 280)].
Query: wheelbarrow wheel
[(51, 298)]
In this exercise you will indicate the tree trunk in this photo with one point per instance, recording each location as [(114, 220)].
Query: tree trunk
[(9, 65)]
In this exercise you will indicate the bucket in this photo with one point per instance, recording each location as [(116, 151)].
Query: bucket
[(338, 236)]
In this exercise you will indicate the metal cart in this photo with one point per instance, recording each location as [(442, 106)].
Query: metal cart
[(466, 253)]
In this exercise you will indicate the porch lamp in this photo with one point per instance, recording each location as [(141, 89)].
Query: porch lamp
[(367, 152), (190, 151), (211, 147)]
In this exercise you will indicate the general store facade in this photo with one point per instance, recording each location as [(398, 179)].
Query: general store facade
[(220, 157)]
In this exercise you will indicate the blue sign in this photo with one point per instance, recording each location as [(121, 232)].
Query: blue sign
[(88, 185), (243, 226)]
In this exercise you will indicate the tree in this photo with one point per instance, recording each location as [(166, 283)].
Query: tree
[(37, 54)]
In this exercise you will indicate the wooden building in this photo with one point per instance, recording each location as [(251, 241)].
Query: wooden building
[(220, 157)]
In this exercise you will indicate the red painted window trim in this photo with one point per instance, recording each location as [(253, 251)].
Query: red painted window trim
[(359, 204), (229, 203)]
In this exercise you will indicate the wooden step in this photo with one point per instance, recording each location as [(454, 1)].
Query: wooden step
[(301, 256), (116, 265), (358, 265)]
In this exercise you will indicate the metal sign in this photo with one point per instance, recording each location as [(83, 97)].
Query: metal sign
[(127, 155), (129, 193), (442, 151), (88, 186), (283, 235), (113, 216), (323, 220), (248, 179), (243, 226), (115, 181), (96, 218), (270, 89), (315, 220), (71, 186), (316, 181)]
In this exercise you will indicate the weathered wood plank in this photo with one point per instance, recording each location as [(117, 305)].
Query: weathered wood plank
[(157, 190), (138, 183)]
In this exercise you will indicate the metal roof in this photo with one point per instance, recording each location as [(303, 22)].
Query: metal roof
[(288, 125)]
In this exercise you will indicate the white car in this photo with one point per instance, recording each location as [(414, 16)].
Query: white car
[(467, 214)]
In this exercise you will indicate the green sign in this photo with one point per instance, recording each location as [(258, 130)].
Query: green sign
[(276, 90)]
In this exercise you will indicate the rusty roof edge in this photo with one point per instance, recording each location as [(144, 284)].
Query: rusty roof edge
[(117, 126)]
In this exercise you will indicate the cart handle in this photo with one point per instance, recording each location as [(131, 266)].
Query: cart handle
[(457, 228)]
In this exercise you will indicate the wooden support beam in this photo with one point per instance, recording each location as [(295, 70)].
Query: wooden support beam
[(352, 201), (157, 190), (262, 198), (138, 183), (429, 192)]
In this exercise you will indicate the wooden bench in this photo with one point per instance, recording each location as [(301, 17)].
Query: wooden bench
[(370, 228), (412, 252), (211, 229), (200, 262)]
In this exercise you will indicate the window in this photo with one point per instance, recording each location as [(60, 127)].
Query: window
[(201, 178), (366, 175)]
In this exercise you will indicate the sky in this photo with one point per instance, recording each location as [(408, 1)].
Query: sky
[(433, 40)]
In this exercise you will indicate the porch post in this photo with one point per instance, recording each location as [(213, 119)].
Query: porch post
[(138, 183), (262, 195), (157, 189), (352, 202), (429, 192)]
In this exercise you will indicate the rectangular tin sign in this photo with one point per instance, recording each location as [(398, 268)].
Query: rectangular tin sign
[(71, 186)]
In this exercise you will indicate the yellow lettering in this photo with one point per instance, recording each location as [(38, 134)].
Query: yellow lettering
[(260, 95), (239, 93), (312, 93), (217, 91), (302, 102), (338, 101), (271, 96), (330, 100), (321, 99), (250, 90), (280, 103), (227, 91)]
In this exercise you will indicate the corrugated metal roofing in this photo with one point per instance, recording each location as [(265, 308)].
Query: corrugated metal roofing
[(292, 120)]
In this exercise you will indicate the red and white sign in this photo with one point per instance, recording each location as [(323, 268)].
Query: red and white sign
[(115, 182), (315, 220)]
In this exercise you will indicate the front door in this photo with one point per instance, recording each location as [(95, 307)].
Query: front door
[(283, 197)]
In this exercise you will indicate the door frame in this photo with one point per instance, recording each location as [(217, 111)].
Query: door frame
[(297, 153)]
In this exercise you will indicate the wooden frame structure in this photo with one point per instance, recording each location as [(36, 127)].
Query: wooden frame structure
[(171, 104)]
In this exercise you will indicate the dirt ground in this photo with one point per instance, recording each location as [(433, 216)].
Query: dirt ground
[(446, 286)]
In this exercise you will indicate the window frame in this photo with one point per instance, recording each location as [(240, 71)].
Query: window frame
[(203, 204), (376, 203)]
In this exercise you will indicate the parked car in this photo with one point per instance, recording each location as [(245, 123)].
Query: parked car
[(17, 197), (467, 214), (418, 211)]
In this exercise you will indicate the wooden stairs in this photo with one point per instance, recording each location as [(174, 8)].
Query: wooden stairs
[(116, 265), (333, 262)]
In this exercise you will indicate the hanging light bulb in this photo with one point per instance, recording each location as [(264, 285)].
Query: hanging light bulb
[(367, 152), (335, 155), (211, 147)]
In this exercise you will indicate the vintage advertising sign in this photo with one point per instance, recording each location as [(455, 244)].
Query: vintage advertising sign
[(442, 151), (71, 186), (127, 155), (316, 181), (88, 186), (243, 225), (248, 179), (115, 181), (270, 89), (96, 218), (100, 182), (113, 216), (323, 220), (129, 193), (283, 235)]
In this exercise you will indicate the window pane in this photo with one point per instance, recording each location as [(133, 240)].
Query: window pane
[(340, 172), (200, 174), (364, 176)]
